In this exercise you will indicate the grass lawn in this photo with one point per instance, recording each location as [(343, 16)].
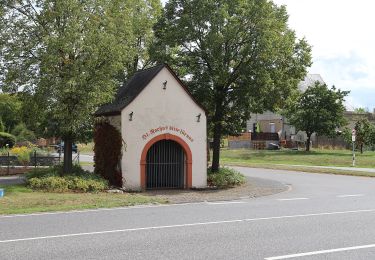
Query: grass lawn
[(304, 169), (86, 163), (86, 148), (288, 157), (20, 199)]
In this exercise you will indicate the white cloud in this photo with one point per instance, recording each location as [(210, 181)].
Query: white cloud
[(343, 43)]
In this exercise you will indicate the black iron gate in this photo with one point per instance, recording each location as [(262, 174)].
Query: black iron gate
[(165, 165)]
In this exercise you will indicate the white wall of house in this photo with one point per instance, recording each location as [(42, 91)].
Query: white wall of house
[(156, 108)]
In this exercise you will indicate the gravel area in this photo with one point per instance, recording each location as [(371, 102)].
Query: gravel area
[(254, 187)]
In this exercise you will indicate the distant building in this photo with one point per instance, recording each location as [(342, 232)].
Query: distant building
[(270, 122)]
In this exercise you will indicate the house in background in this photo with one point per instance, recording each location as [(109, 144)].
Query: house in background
[(270, 122), (269, 127)]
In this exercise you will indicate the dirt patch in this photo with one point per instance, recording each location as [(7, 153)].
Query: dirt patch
[(254, 187)]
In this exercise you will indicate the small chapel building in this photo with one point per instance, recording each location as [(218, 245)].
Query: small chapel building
[(163, 129)]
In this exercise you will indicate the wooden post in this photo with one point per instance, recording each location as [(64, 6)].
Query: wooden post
[(8, 165), (35, 159)]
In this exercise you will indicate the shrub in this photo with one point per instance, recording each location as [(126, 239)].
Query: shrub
[(225, 178), (51, 184), (107, 149), (7, 139), (87, 185), (4, 151), (42, 173), (22, 153), (80, 181), (57, 170)]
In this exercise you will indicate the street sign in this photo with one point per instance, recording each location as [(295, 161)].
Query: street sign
[(353, 135)]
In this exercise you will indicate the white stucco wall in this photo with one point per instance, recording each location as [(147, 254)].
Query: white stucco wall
[(155, 107)]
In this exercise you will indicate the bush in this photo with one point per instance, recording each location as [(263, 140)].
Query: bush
[(7, 139), (51, 184), (4, 151), (67, 183), (22, 133), (50, 180), (107, 151), (22, 153), (87, 185), (57, 170), (225, 178), (42, 173)]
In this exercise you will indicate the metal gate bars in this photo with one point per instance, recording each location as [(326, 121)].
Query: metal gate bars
[(165, 166)]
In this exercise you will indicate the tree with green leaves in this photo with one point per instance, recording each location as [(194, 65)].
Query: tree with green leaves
[(144, 16), (236, 57), (10, 111), (365, 134), (318, 110), (67, 55), (2, 126), (361, 110)]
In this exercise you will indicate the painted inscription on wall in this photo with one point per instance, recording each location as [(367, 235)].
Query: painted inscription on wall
[(165, 129)]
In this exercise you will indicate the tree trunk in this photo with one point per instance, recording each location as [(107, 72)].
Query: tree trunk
[(68, 159), (308, 142), (217, 121), (361, 148), (216, 147)]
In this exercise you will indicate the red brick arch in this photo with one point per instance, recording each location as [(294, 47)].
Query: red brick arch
[(185, 147)]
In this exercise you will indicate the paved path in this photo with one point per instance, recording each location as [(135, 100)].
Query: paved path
[(10, 180), (321, 217), (356, 169)]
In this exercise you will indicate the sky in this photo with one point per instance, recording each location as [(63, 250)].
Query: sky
[(342, 36)]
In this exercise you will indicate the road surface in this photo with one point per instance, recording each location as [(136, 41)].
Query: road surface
[(320, 217)]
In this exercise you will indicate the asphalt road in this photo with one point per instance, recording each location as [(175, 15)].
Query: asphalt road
[(320, 217)]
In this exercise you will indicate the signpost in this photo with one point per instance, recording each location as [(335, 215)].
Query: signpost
[(353, 141)]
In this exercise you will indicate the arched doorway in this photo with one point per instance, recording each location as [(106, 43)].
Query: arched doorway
[(165, 166), (166, 162)]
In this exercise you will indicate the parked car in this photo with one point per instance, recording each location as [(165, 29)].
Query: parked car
[(60, 148), (272, 146)]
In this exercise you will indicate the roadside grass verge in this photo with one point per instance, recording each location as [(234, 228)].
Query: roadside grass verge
[(339, 158), (86, 163), (302, 169), (19, 199)]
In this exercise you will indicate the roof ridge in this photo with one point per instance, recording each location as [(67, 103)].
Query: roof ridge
[(153, 67)]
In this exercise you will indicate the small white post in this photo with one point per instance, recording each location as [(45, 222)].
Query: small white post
[(353, 141)]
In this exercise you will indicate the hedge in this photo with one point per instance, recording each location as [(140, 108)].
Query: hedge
[(6, 138), (51, 180)]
